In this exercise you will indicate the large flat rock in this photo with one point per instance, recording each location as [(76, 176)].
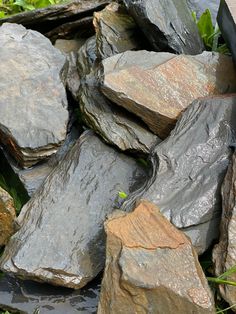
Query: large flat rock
[(33, 104), (224, 254), (227, 22), (62, 225), (167, 24), (157, 87), (189, 168), (151, 267)]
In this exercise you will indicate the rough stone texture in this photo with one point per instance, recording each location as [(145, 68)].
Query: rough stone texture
[(157, 87), (116, 31), (47, 19), (224, 254), (167, 24), (199, 6), (189, 167), (115, 125), (227, 23), (30, 297), (7, 217), (62, 225), (32, 90), (151, 267)]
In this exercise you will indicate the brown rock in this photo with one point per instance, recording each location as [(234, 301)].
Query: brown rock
[(224, 254), (157, 87), (151, 267), (7, 217)]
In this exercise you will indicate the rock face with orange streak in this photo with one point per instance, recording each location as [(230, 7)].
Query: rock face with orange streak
[(7, 217), (151, 267), (157, 87)]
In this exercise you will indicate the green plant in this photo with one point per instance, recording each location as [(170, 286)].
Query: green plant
[(122, 195), (209, 33)]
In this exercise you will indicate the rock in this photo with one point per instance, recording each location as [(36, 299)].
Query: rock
[(30, 297), (46, 19), (151, 267), (115, 125), (200, 6), (116, 31), (168, 25), (189, 167), (224, 254), (227, 24), (157, 87), (62, 224), (31, 90), (67, 46), (7, 217)]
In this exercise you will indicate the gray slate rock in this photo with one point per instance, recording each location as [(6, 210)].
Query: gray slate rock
[(167, 24), (30, 297), (224, 253), (62, 225), (116, 126), (189, 167), (199, 6), (33, 104)]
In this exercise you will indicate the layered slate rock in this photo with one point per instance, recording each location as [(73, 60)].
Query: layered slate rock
[(33, 104), (189, 168), (227, 23), (62, 225), (7, 217), (115, 125), (199, 6), (168, 25), (224, 254), (116, 31), (157, 87), (151, 267)]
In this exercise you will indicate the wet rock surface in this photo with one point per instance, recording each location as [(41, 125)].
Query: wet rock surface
[(30, 297), (189, 168), (168, 25), (199, 6), (67, 214), (157, 87), (227, 23), (31, 90), (224, 254), (151, 267), (7, 217)]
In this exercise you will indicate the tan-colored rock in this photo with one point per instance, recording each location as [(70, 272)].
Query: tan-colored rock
[(224, 254), (157, 87), (7, 217), (151, 267)]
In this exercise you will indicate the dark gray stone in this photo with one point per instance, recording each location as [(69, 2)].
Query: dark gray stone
[(199, 6), (167, 24), (227, 24), (30, 297), (62, 225), (189, 167), (33, 104)]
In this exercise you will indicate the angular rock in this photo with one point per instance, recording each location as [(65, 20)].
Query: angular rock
[(151, 267), (7, 217), (32, 90), (30, 297), (224, 254), (116, 31), (189, 167), (227, 23), (62, 225), (47, 19), (167, 24), (200, 6), (67, 46), (157, 87), (113, 124)]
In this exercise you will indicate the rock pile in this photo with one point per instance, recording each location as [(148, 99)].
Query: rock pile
[(126, 122)]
